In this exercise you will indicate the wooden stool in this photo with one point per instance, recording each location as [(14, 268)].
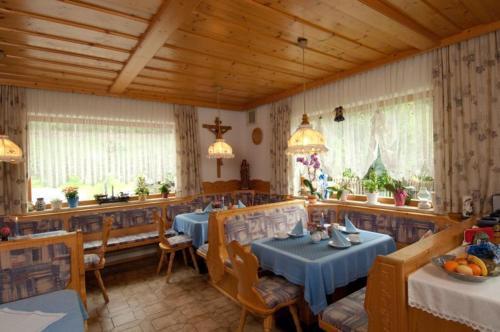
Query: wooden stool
[(169, 246), (96, 262)]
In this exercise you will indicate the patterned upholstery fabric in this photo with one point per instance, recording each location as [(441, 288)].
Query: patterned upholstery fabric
[(186, 207), (276, 290), (203, 250), (178, 240), (33, 226), (34, 271), (252, 226), (92, 223), (402, 229), (348, 314), (246, 197), (330, 215), (90, 260)]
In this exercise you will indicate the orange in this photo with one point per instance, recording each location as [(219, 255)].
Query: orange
[(476, 270), (450, 266)]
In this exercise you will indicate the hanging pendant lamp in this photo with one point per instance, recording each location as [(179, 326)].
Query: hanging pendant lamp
[(305, 140), (10, 152), (220, 149)]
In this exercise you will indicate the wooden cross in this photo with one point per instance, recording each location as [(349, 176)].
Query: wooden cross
[(218, 131)]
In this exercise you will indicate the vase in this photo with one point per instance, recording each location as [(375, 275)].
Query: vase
[(316, 236), (344, 196), (73, 201), (56, 205), (40, 204), (372, 198), (400, 197)]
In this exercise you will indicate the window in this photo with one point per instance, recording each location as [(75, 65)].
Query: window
[(97, 144), (393, 135)]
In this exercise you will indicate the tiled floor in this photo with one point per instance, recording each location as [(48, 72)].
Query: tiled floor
[(140, 300)]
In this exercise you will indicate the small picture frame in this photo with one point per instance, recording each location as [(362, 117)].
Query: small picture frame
[(467, 206)]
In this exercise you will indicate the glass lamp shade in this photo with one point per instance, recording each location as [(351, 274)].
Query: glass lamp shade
[(9, 151), (220, 149), (306, 140)]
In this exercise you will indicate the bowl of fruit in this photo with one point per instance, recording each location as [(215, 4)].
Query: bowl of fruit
[(467, 268)]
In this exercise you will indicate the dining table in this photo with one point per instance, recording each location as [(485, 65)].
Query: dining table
[(319, 267), (194, 224)]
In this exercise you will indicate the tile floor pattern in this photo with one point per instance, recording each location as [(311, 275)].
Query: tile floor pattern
[(141, 301)]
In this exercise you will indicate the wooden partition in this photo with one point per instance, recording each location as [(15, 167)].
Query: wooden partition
[(221, 275), (386, 296), (73, 241)]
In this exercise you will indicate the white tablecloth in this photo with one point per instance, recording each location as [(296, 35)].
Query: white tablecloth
[(476, 305)]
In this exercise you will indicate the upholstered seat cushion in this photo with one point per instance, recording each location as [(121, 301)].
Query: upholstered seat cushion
[(92, 245), (179, 240), (348, 314), (203, 250), (276, 290), (91, 260)]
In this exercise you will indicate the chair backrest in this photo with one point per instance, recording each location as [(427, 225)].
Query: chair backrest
[(106, 230), (161, 226), (245, 265)]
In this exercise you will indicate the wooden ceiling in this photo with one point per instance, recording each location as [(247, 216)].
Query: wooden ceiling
[(179, 51)]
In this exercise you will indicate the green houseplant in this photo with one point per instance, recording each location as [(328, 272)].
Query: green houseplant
[(398, 190), (165, 188), (372, 184), (141, 190)]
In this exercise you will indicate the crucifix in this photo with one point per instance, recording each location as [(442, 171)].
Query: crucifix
[(219, 149)]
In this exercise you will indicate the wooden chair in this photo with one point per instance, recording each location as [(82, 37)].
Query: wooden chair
[(264, 296), (171, 245), (96, 262)]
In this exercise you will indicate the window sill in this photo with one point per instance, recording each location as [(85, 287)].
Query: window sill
[(385, 206)]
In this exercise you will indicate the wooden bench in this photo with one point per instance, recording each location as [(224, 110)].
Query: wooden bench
[(386, 296)]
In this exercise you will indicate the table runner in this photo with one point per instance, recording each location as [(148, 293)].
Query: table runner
[(319, 267), (476, 305), (193, 224)]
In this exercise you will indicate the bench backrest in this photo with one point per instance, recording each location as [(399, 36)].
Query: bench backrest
[(41, 265), (386, 299), (35, 226)]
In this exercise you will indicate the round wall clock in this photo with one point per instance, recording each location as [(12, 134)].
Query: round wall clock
[(257, 136)]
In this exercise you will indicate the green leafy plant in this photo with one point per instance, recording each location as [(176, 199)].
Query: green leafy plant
[(313, 191), (373, 183), (141, 188), (349, 174)]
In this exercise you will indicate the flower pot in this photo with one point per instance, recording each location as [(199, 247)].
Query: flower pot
[(5, 238), (142, 198), (400, 197), (344, 195), (164, 195), (73, 201), (372, 198), (313, 199)]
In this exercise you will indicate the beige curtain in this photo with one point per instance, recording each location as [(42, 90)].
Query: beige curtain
[(280, 162), (467, 123), (13, 177), (188, 150)]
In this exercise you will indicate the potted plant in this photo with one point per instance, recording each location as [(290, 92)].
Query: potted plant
[(311, 165), (372, 184), (165, 188), (71, 193), (314, 194), (56, 204), (141, 190), (343, 192), (398, 191), (5, 233)]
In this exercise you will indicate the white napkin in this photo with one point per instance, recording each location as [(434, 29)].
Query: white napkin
[(241, 205), (27, 321), (349, 226), (338, 239), (209, 208), (298, 229)]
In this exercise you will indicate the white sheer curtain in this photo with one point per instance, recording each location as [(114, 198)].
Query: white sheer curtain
[(388, 108), (97, 139)]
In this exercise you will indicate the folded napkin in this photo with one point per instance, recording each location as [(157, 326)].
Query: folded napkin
[(27, 321), (241, 205), (349, 226), (339, 239), (298, 229), (209, 208)]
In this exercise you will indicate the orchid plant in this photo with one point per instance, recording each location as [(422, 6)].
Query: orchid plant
[(313, 175)]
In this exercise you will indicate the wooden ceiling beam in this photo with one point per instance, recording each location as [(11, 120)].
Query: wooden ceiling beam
[(169, 17), (394, 14), (457, 38)]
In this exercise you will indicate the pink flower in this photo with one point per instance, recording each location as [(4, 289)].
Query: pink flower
[(5, 231)]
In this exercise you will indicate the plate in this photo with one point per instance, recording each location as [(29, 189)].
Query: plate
[(354, 242), (331, 244), (295, 235), (440, 260), (280, 237)]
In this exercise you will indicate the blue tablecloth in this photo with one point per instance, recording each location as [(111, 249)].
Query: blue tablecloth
[(193, 224), (319, 267), (66, 301)]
